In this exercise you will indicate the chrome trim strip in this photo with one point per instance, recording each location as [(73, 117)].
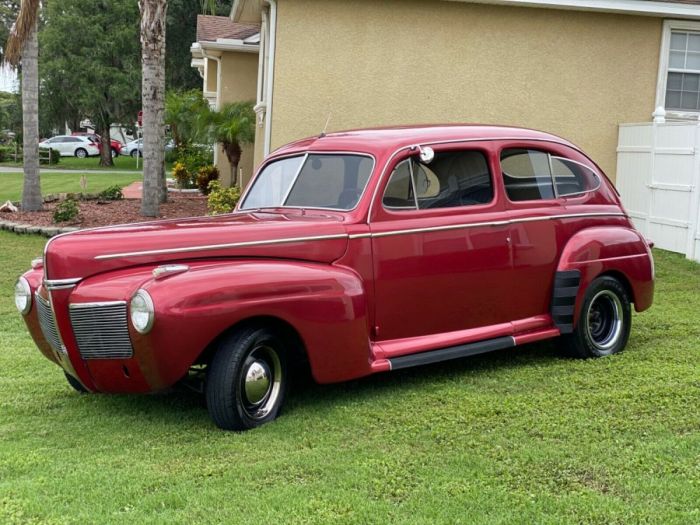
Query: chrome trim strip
[(60, 284), (222, 246), (77, 306), (493, 223), (356, 236)]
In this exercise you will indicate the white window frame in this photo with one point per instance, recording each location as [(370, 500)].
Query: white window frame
[(664, 58)]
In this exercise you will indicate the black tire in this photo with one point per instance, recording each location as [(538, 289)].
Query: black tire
[(247, 379), (81, 153), (77, 385), (133, 153), (603, 326), (115, 153)]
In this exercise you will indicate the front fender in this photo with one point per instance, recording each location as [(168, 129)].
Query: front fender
[(324, 303), (614, 250)]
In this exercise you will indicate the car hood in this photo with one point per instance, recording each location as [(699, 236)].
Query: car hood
[(320, 238)]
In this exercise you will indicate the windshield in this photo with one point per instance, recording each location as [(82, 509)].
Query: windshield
[(333, 181)]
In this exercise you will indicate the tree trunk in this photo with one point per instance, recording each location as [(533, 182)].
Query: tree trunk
[(153, 99), (105, 142), (31, 194), (233, 154)]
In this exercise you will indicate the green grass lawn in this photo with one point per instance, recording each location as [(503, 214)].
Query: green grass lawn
[(517, 436), (11, 183), (121, 163)]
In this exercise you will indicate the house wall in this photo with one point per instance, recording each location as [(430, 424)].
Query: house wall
[(239, 73), (368, 63)]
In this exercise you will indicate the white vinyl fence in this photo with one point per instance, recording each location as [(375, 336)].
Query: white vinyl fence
[(658, 176)]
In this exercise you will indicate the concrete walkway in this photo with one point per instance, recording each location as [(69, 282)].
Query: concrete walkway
[(8, 169), (133, 190)]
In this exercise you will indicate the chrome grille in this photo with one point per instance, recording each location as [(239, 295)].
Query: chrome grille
[(101, 330), (47, 323)]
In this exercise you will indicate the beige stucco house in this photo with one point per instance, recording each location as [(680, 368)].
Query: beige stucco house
[(577, 68)]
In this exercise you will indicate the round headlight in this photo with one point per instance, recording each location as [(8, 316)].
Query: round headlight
[(23, 296), (142, 312)]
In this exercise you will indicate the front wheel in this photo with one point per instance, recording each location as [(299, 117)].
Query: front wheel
[(134, 153), (603, 326), (247, 379), (115, 153), (81, 153), (77, 385)]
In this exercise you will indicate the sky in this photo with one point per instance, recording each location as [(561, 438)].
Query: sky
[(8, 80)]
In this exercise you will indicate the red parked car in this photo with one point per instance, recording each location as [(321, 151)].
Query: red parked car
[(115, 145), (359, 252)]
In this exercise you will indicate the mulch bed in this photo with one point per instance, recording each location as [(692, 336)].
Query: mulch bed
[(97, 213)]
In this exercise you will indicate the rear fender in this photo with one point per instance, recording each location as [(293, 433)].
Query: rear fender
[(612, 250)]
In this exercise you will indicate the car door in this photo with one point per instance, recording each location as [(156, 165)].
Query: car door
[(541, 181), (57, 144), (440, 248)]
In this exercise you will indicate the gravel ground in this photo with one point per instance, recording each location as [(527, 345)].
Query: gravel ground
[(95, 213)]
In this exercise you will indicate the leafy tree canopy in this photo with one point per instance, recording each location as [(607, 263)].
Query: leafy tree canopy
[(90, 61), (181, 32)]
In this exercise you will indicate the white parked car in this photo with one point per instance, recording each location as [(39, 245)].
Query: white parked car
[(69, 146), (135, 147)]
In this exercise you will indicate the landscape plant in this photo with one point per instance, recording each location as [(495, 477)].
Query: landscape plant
[(113, 193), (205, 176), (67, 210), (232, 126), (222, 200)]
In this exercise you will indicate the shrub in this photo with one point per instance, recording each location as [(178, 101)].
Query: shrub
[(205, 175), (194, 157), (183, 176), (44, 157), (222, 200), (113, 193), (66, 211)]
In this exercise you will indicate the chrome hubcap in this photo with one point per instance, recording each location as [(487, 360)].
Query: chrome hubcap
[(257, 382), (261, 381), (604, 320)]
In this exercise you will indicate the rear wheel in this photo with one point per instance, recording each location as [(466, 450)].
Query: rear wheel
[(81, 153), (115, 153), (133, 153), (247, 379), (603, 326)]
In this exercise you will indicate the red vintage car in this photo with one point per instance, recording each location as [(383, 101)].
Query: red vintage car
[(358, 252)]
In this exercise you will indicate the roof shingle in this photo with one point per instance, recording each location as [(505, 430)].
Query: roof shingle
[(210, 28)]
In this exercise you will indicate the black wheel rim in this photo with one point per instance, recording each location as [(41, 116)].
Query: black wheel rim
[(604, 320)]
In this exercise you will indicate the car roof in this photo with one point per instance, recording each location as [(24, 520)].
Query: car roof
[(374, 140)]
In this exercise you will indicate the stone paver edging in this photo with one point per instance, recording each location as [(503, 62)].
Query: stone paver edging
[(46, 231)]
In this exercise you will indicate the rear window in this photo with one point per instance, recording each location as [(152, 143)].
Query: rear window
[(537, 175)]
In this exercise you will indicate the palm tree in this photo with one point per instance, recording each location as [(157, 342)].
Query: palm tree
[(232, 126), (23, 46), (153, 101)]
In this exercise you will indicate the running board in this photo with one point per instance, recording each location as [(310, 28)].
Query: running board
[(453, 352)]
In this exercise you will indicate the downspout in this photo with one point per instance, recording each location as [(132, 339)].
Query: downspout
[(218, 90), (270, 75)]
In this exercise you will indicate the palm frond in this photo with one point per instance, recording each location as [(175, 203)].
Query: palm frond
[(21, 29)]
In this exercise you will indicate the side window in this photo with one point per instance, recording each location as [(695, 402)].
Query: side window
[(452, 179), (572, 178), (527, 175)]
